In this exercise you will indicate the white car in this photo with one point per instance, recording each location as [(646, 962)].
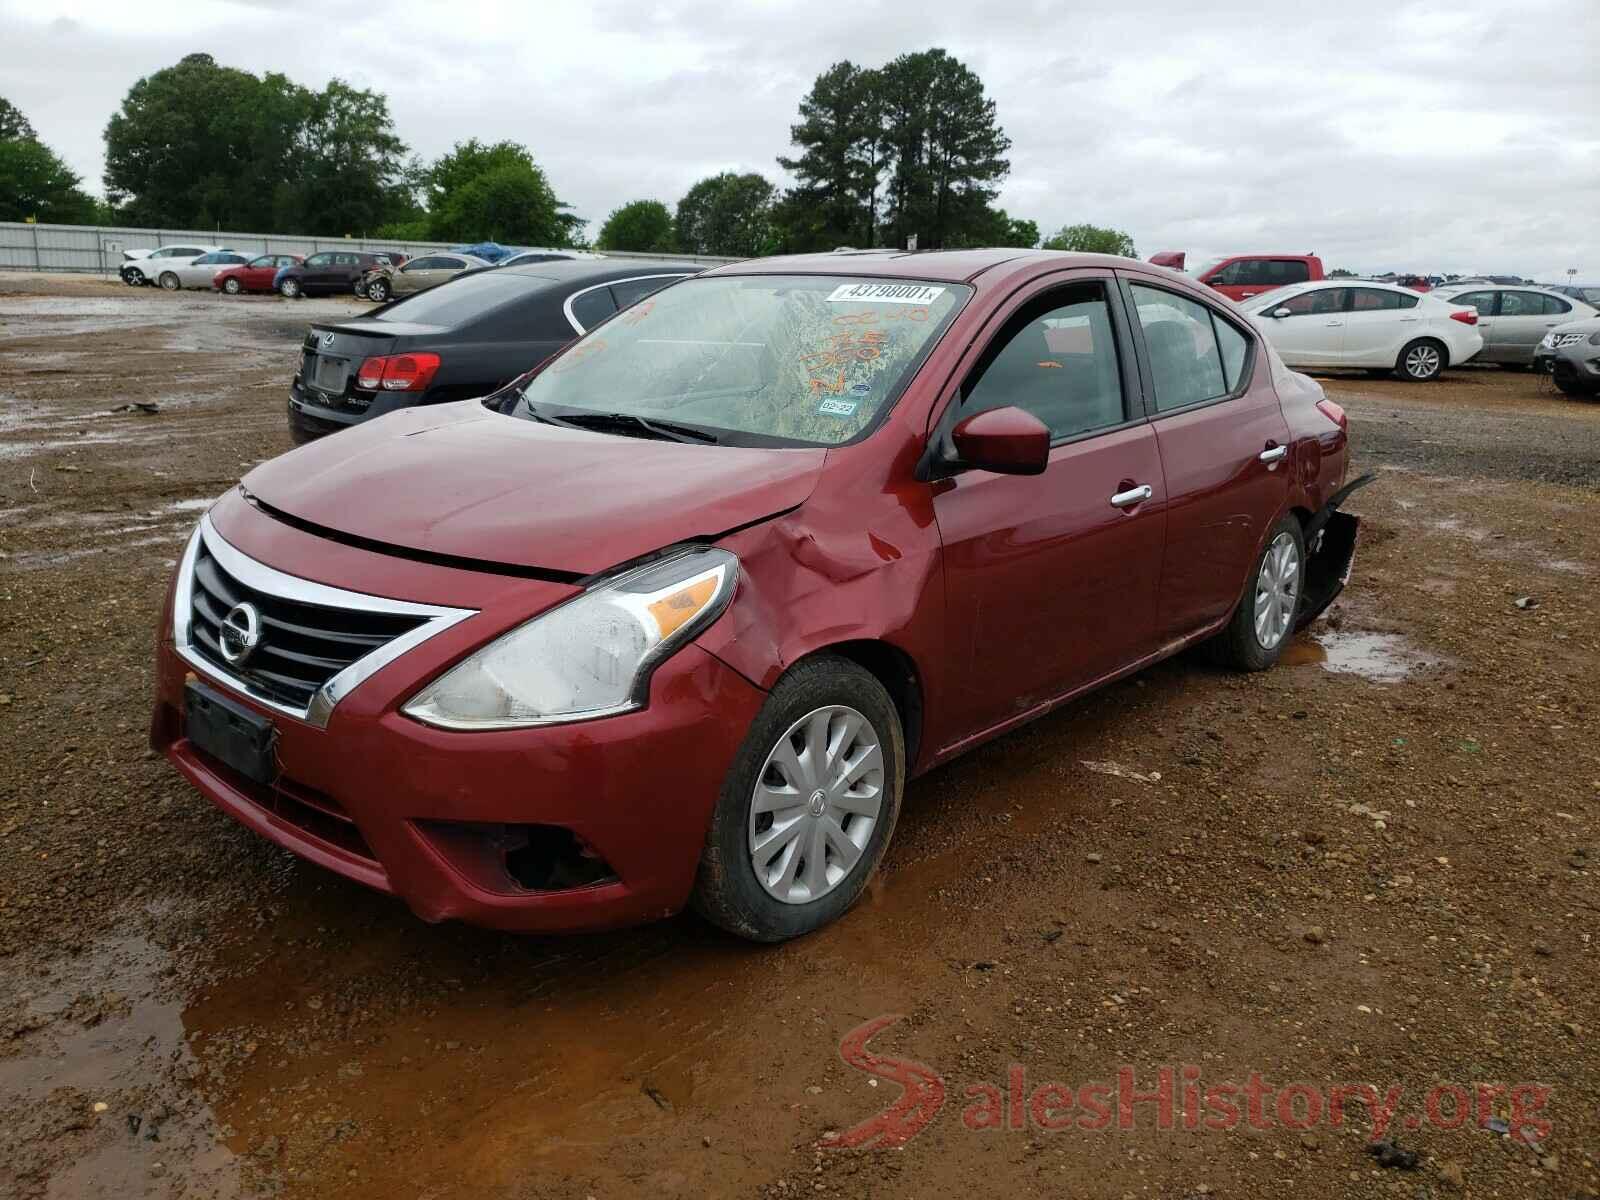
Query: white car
[(1513, 319), (140, 267), (1340, 323)]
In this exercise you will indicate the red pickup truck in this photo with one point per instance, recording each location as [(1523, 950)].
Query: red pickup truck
[(1240, 276)]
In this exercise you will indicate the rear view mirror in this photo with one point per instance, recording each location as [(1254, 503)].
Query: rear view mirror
[(1280, 313), (1006, 440)]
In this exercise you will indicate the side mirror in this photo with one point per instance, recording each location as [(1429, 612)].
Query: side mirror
[(1006, 440), (1280, 313)]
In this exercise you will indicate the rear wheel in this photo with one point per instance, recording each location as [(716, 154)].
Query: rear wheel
[(808, 806), (378, 290), (289, 289), (232, 286), (169, 281), (1265, 618), (1421, 361), (361, 289)]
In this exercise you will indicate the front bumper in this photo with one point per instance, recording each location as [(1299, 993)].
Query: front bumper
[(428, 815)]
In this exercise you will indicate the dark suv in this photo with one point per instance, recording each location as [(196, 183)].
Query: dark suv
[(327, 272)]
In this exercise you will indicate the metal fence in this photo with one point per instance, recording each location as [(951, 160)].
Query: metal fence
[(98, 248)]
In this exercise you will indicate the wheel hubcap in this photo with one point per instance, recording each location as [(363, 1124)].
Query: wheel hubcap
[(1277, 591), (815, 804), (1422, 361)]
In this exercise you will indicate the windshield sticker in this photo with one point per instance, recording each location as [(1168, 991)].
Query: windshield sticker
[(885, 293), (837, 408)]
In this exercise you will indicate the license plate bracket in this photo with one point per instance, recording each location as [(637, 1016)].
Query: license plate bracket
[(229, 732)]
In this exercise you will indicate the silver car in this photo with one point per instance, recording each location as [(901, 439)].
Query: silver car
[(1570, 354), (199, 272), (1513, 319)]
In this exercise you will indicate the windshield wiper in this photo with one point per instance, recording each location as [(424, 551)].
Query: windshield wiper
[(669, 430)]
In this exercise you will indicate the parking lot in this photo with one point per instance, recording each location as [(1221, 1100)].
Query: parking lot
[(1375, 864)]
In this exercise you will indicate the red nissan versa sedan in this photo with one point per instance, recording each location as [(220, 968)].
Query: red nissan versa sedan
[(673, 618)]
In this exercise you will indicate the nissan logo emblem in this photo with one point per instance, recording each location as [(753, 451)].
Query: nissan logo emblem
[(240, 633), (327, 339)]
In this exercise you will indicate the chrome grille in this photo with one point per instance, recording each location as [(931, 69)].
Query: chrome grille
[(315, 642)]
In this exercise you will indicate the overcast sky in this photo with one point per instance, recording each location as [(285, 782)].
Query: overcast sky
[(1438, 135)]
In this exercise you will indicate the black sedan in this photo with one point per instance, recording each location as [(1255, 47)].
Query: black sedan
[(462, 339)]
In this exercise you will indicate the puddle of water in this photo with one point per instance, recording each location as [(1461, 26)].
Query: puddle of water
[(1379, 657)]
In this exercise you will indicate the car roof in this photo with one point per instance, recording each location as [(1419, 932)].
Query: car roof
[(598, 270), (988, 265), (1487, 285)]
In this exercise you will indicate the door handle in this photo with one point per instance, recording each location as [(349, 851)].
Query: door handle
[(1273, 453), (1331, 324), (1132, 496)]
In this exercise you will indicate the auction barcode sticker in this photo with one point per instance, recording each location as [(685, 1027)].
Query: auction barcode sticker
[(885, 293)]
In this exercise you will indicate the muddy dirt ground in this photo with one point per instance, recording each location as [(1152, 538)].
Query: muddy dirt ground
[(1376, 863)]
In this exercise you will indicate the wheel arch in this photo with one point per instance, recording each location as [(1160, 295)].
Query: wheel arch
[(898, 673)]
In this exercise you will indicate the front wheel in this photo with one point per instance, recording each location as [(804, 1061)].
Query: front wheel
[(808, 806), (134, 279), (169, 281), (232, 286), (1265, 617), (289, 289), (378, 290), (1421, 361)]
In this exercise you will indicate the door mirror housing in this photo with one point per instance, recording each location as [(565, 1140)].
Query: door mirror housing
[(1007, 441), (1280, 313)]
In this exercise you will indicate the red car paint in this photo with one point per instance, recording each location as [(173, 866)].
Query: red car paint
[(1242, 276), (253, 277), (984, 599)]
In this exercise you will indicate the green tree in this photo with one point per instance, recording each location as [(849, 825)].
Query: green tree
[(352, 174), (945, 153), (642, 225), (13, 124), (840, 165), (34, 182), (496, 191), (1341, 273), (1092, 239), (727, 214), (201, 144)]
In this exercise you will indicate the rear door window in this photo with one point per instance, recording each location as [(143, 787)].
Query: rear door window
[(1186, 349), (1372, 299), (1482, 301), (1056, 359)]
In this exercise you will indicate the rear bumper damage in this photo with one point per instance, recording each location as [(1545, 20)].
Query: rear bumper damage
[(1330, 552)]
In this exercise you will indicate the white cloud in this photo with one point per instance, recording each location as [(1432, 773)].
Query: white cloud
[(1450, 135)]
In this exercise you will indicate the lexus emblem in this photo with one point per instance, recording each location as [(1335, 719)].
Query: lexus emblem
[(239, 633), (327, 339)]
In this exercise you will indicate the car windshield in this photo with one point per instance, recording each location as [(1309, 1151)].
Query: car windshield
[(459, 300), (764, 359)]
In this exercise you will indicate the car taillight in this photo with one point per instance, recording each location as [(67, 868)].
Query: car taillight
[(1334, 413), (397, 372), (1467, 316)]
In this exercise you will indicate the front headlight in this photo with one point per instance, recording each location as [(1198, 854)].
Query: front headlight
[(1548, 341), (589, 657), (1594, 338)]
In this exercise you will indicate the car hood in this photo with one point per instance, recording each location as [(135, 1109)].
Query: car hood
[(462, 482), (1581, 325)]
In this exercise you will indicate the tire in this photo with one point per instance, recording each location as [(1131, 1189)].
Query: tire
[(1569, 384), (169, 282), (826, 694), (1241, 645), (134, 279), (1422, 360), (360, 290), (232, 286), (289, 289), (378, 291)]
